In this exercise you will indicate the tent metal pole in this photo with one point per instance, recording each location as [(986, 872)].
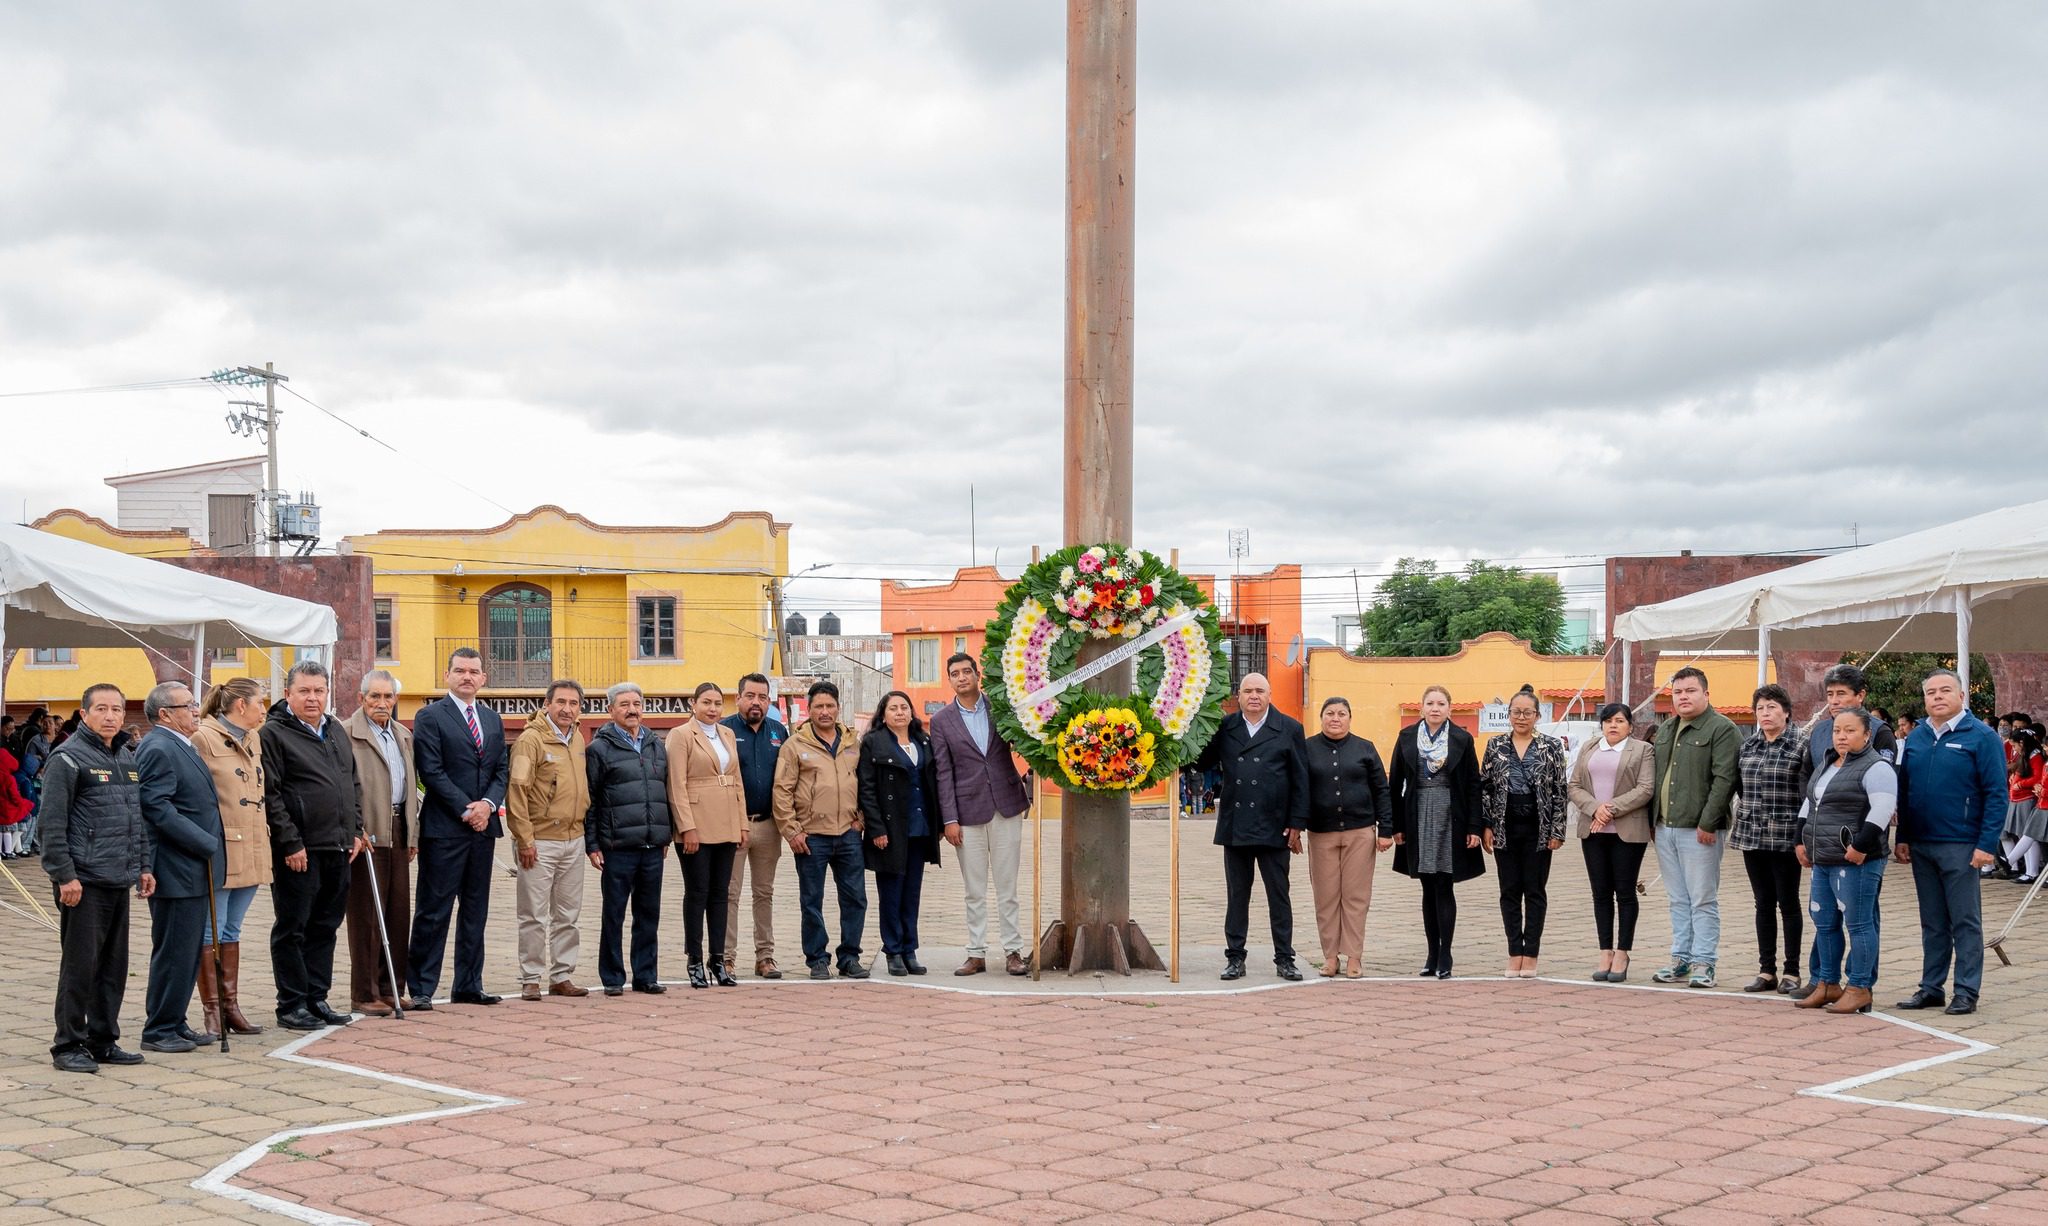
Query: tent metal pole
[(1763, 656), (1625, 671), (1963, 639), (199, 664)]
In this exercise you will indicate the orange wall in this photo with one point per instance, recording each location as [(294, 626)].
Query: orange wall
[(1274, 600)]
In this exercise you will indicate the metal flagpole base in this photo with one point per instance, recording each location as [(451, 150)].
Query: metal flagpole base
[(1119, 948)]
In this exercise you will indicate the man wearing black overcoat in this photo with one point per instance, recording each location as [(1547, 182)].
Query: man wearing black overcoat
[(459, 754), (1260, 817)]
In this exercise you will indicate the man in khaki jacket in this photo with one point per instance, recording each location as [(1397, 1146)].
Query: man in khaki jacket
[(544, 808), (817, 810), (390, 799)]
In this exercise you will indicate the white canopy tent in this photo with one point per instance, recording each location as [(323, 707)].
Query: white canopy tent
[(1979, 583), (57, 592)]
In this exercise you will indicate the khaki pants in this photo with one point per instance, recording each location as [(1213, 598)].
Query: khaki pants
[(550, 905), (764, 851), (1340, 869), (992, 847)]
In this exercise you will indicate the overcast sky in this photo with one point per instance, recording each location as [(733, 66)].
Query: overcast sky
[(1443, 279)]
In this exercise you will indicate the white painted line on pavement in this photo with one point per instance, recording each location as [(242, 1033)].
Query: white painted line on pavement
[(216, 1181)]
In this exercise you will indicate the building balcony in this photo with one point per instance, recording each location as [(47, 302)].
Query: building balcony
[(529, 663)]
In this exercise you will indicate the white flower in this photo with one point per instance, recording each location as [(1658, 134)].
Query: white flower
[(1066, 576)]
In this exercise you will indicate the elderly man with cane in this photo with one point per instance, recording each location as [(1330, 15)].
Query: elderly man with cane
[(183, 812), (379, 894)]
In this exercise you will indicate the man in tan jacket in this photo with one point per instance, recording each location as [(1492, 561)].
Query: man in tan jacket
[(817, 810), (390, 799), (544, 808)]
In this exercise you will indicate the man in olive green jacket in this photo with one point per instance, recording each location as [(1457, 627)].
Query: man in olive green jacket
[(1696, 774), (545, 804)]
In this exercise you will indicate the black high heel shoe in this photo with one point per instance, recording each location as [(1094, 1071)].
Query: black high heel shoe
[(722, 976), (697, 979)]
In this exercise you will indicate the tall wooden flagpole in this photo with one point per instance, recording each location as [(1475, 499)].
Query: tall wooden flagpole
[(1094, 931)]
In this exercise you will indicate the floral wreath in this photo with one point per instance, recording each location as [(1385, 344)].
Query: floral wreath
[(1089, 742)]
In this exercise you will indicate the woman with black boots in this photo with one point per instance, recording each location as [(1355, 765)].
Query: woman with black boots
[(1437, 828)]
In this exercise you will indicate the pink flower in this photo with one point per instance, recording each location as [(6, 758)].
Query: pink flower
[(1088, 564)]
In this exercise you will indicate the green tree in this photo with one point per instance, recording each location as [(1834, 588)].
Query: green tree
[(1895, 678), (1418, 612)]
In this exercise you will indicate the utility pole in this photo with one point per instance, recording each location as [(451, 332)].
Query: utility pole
[(246, 424), (1095, 930)]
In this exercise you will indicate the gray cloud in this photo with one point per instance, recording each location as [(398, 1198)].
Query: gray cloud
[(1505, 280)]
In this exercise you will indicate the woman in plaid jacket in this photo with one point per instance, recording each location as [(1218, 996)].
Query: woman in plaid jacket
[(1522, 794), (1774, 768)]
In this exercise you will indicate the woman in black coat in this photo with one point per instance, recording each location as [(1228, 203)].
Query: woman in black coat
[(1438, 828), (899, 804)]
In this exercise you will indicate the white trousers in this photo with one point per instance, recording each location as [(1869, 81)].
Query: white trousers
[(550, 904), (996, 846)]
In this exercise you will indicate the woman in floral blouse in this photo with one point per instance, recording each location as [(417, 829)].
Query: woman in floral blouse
[(1522, 786), (1774, 769)]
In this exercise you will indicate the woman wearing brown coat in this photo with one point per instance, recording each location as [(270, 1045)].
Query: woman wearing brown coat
[(1611, 784), (226, 741), (708, 801)]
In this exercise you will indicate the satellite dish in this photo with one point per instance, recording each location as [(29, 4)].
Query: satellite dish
[(1294, 652)]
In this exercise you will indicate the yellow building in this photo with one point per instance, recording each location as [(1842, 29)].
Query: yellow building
[(551, 594), (1386, 691)]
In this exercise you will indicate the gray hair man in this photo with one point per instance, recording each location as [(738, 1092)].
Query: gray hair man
[(183, 812), (391, 809), (627, 833)]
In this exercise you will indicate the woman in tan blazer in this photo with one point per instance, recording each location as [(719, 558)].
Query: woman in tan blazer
[(1611, 784), (226, 741), (709, 804)]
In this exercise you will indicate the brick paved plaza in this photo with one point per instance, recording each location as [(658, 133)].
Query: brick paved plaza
[(1480, 1099)]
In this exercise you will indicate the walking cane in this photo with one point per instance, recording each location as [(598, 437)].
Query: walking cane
[(383, 933), (1997, 944), (220, 974)]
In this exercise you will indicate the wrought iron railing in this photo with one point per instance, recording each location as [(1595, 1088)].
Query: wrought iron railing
[(530, 663)]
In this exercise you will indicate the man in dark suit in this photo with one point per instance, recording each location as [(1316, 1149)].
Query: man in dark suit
[(1260, 817), (459, 753), (183, 812)]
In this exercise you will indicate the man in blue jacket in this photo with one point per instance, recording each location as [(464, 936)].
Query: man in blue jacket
[(1952, 799), (183, 812)]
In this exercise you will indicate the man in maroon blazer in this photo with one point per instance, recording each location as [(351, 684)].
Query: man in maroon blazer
[(983, 802)]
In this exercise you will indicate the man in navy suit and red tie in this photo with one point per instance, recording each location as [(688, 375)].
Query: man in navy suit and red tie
[(459, 753)]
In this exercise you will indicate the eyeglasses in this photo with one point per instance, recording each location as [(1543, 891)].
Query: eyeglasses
[(179, 706)]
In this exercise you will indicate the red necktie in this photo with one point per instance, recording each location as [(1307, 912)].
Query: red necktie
[(475, 734)]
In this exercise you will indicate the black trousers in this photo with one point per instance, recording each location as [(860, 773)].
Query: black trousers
[(309, 907), (1612, 867), (177, 932), (1237, 880), (1774, 881), (450, 870), (1523, 859), (92, 969), (707, 878), (1439, 917), (631, 875)]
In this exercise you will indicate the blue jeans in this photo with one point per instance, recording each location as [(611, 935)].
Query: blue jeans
[(1692, 880), (840, 852), (900, 895), (1843, 898), (233, 906), (1951, 916)]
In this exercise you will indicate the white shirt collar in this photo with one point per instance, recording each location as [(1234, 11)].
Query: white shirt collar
[(1611, 747), (464, 707), (174, 732), (1942, 730), (1252, 728)]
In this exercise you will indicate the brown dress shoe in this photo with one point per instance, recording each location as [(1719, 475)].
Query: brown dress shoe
[(371, 1008), (1853, 1000), (1822, 994), (766, 969), (973, 966), (566, 988), (529, 991), (1015, 964)]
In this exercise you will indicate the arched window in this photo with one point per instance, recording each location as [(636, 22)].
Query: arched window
[(516, 629)]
